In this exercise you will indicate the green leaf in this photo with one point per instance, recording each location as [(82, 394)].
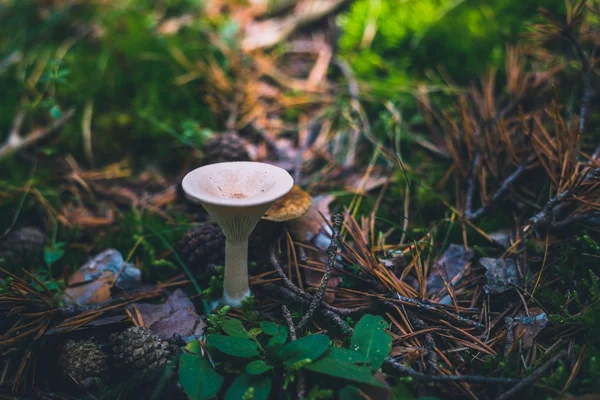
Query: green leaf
[(254, 332), (234, 346), (198, 379), (401, 392), (344, 370), (53, 254), (241, 384), (311, 347), (193, 347), (269, 328), (234, 327), (369, 338), (55, 112), (258, 367), (276, 342), (346, 355), (350, 393)]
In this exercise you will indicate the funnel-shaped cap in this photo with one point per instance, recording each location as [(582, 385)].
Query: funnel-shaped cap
[(236, 195)]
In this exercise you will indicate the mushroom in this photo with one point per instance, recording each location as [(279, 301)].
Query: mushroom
[(291, 206), (236, 195)]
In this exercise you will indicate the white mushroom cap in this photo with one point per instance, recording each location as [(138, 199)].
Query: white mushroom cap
[(237, 184)]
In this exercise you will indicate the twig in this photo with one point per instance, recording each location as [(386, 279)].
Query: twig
[(471, 186), (331, 260), (301, 388), (497, 195), (432, 358), (588, 90), (290, 323), (287, 296), (534, 376), (447, 378), (427, 306), (16, 142), (510, 335), (292, 287)]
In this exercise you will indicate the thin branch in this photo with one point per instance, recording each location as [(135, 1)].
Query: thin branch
[(16, 142), (331, 260), (398, 366), (424, 305), (287, 296), (588, 90), (301, 387), (290, 323), (292, 287), (534, 376), (504, 186)]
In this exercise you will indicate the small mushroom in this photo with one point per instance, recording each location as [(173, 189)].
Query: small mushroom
[(291, 206), (236, 195)]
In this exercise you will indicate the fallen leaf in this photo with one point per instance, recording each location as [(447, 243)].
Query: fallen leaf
[(452, 263), (502, 274), (529, 326), (177, 315)]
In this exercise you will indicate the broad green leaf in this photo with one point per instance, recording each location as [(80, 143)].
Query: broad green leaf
[(311, 347), (234, 327), (198, 379), (276, 342), (350, 393), (345, 355), (269, 328), (369, 338), (241, 384), (193, 347), (234, 346), (344, 370), (258, 367)]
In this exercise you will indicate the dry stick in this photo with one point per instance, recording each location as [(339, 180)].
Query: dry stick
[(543, 218), (331, 260), (588, 90), (285, 295), (290, 323), (426, 306), (16, 142), (432, 358), (534, 376), (397, 365), (471, 215), (292, 286)]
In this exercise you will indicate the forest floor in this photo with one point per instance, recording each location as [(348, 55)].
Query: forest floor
[(441, 239)]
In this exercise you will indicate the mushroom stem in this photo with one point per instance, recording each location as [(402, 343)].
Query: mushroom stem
[(237, 225), (235, 285)]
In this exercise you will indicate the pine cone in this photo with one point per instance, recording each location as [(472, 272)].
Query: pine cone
[(22, 245), (139, 350), (201, 245), (205, 244), (226, 146), (82, 361)]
